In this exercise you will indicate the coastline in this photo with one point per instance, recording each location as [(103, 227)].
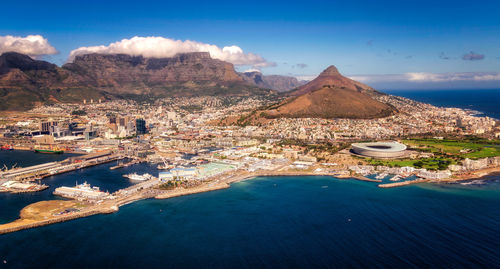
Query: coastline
[(473, 175), (111, 206)]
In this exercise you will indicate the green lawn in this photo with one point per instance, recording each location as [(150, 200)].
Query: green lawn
[(427, 163), (473, 149), (446, 152)]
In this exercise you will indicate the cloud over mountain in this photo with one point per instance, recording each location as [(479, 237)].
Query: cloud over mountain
[(159, 47), (472, 56), (33, 45)]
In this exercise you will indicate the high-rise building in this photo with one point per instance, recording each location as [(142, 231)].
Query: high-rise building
[(140, 126), (45, 126), (122, 121)]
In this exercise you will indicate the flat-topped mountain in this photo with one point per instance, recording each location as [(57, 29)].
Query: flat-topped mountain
[(137, 75), (274, 82), (25, 82)]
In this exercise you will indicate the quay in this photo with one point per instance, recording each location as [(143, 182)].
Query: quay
[(40, 171)]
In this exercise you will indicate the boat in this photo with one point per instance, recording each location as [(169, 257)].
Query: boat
[(381, 176), (395, 178), (165, 167), (137, 177), (49, 151), (7, 147), (81, 191)]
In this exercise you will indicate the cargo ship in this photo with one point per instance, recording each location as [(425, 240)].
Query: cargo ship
[(50, 151)]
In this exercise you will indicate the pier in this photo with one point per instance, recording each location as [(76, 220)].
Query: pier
[(40, 171)]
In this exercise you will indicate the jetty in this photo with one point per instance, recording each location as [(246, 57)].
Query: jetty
[(403, 183)]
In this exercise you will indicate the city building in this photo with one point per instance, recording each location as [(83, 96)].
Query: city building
[(140, 127)]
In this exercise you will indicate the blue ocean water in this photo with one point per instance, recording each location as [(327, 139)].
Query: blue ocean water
[(23, 158), (485, 101), (279, 222)]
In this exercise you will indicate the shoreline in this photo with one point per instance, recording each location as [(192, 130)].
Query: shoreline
[(111, 206), (471, 175)]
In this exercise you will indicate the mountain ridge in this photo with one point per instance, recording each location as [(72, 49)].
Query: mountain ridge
[(275, 82), (26, 82)]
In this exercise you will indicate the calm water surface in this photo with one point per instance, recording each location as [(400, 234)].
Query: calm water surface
[(271, 222), (485, 101)]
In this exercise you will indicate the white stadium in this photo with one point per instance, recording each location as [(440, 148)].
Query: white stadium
[(379, 149)]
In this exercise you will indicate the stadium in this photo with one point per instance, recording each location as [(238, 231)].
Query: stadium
[(379, 149)]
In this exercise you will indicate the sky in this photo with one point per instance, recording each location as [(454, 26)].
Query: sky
[(386, 44)]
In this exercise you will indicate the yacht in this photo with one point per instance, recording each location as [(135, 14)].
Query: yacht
[(137, 177)]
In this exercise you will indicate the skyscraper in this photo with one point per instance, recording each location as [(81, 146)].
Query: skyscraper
[(140, 126)]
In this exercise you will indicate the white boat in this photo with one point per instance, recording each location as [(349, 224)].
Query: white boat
[(381, 176), (137, 177), (81, 191), (395, 178)]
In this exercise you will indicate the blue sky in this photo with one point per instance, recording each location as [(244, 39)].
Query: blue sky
[(369, 40)]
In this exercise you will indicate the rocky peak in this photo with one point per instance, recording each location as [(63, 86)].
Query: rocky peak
[(332, 78), (330, 71)]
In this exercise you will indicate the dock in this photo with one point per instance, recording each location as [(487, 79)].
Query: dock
[(40, 171)]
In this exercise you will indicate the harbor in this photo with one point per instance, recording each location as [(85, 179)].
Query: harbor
[(35, 173), (166, 179)]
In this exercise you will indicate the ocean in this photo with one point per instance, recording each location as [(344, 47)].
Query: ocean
[(265, 222), (270, 222), (485, 101)]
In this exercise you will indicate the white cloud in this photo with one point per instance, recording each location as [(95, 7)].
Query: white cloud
[(252, 70), (422, 77), (158, 47), (306, 77), (33, 45)]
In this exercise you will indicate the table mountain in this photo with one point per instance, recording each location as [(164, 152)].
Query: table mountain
[(25, 82)]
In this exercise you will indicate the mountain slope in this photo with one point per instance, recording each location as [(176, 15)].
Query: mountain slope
[(331, 102), (330, 95), (331, 76)]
